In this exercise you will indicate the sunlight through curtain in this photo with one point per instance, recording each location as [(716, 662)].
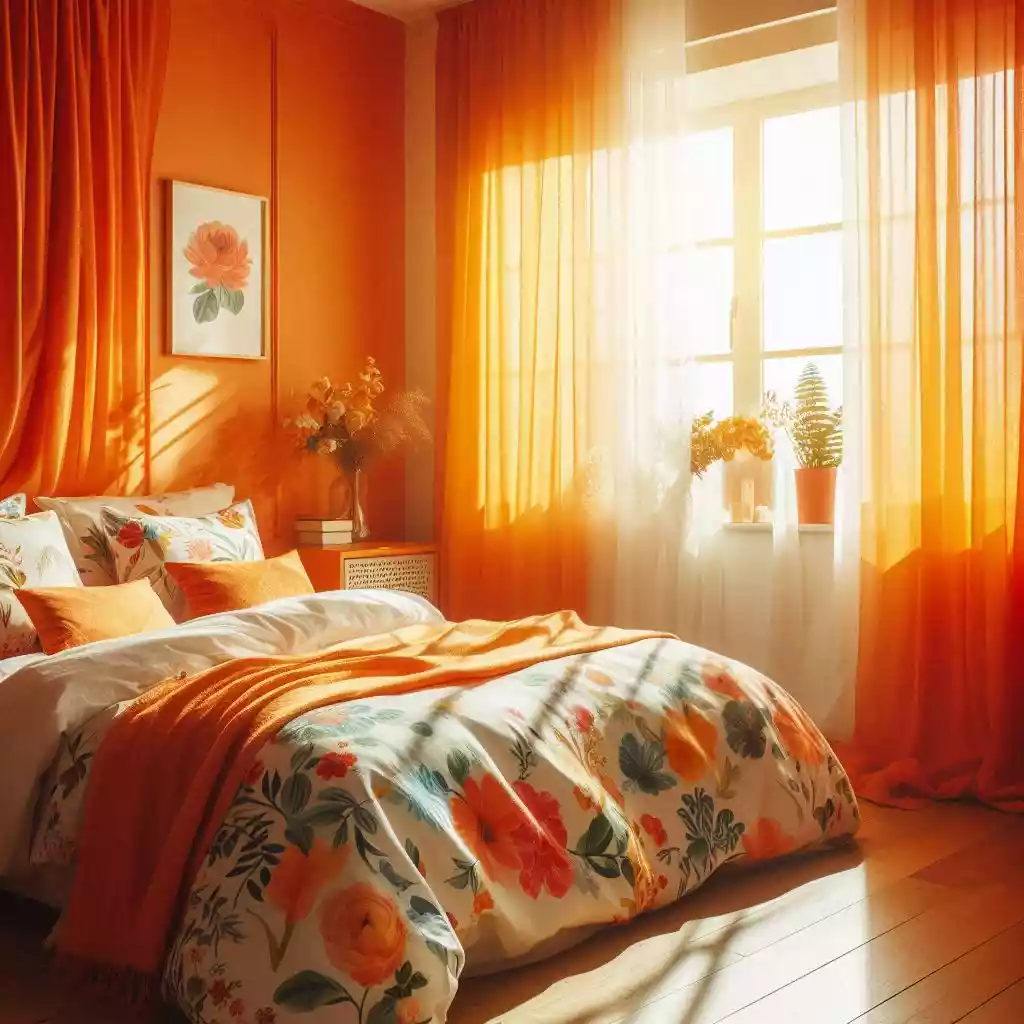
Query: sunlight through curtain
[(81, 86), (559, 142), (936, 108)]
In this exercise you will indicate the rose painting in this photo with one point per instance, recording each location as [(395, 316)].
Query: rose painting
[(217, 282)]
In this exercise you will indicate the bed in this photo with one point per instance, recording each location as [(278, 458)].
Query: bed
[(379, 848)]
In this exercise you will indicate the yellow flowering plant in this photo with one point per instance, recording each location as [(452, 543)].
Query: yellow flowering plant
[(344, 422), (711, 440)]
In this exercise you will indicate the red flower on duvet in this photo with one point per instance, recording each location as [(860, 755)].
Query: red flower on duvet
[(335, 765), (541, 845), (584, 718), (655, 829), (236, 1008), (266, 1015), (219, 991), (131, 535)]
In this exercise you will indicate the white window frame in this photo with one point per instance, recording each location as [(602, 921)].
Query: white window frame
[(747, 353)]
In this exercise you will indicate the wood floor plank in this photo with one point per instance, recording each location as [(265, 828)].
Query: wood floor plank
[(865, 977), (958, 988), (782, 963), (1005, 1008)]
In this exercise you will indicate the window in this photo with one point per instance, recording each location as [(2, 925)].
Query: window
[(765, 195)]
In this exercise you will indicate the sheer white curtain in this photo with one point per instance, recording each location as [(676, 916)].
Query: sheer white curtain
[(657, 558), (785, 602)]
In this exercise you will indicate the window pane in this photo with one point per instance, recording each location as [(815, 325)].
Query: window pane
[(707, 184), (802, 179), (705, 299), (803, 291), (781, 375), (713, 389)]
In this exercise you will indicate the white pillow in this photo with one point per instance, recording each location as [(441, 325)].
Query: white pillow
[(141, 544), (80, 519), (33, 553), (12, 507)]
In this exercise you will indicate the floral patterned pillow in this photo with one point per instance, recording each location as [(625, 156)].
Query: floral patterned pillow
[(87, 542), (33, 553), (12, 507), (142, 544)]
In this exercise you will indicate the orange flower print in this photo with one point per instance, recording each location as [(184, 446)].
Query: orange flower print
[(407, 1011), (131, 535), (218, 256), (335, 765), (721, 680), (690, 741), (199, 550), (482, 902), (298, 879), (542, 841), (655, 829), (798, 734), (363, 933), (585, 799), (231, 518), (486, 819), (766, 840)]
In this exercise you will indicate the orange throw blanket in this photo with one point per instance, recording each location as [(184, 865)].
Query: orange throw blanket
[(166, 774)]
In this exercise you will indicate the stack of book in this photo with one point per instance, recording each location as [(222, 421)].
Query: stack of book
[(315, 532)]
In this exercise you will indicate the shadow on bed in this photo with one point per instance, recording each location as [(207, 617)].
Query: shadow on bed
[(616, 971)]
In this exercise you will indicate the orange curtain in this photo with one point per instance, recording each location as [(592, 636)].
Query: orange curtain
[(526, 93), (81, 86), (938, 110)]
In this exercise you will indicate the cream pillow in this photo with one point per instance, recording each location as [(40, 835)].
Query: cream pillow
[(33, 553), (142, 544), (87, 542), (12, 507)]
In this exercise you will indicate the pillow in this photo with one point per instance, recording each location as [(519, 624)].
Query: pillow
[(33, 553), (12, 507), (211, 587), (71, 616), (143, 544), (80, 518)]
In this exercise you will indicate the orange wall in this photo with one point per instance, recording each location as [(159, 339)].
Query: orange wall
[(300, 101)]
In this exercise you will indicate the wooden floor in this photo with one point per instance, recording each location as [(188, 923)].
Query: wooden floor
[(921, 922)]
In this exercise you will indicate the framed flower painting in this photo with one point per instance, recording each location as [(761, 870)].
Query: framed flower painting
[(217, 273)]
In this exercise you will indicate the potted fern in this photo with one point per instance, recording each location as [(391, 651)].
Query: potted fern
[(816, 433)]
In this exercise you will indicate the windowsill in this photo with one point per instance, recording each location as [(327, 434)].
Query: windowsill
[(767, 527)]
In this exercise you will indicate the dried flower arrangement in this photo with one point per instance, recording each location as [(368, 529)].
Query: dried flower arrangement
[(344, 422)]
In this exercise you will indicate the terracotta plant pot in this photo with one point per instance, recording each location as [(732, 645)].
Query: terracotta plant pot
[(816, 495)]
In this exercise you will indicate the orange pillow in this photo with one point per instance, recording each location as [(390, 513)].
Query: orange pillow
[(71, 616), (211, 587)]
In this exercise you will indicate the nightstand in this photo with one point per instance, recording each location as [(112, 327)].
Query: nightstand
[(397, 566)]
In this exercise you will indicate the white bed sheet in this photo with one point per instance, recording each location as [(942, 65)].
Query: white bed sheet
[(45, 696)]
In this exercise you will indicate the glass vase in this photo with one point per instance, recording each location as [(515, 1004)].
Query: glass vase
[(346, 499)]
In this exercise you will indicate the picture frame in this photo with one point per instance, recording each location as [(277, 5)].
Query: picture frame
[(217, 272)]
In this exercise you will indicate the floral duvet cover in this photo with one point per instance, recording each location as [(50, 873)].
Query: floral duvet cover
[(378, 845)]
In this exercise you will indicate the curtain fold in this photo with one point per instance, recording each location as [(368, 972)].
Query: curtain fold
[(525, 99), (81, 86), (936, 114), (559, 135)]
